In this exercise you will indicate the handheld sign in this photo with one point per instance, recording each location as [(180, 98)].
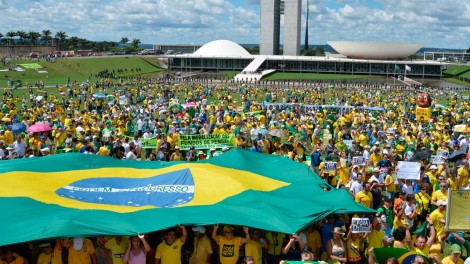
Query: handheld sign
[(360, 225), (437, 159), (444, 154), (329, 166), (408, 170), (348, 142), (359, 160)]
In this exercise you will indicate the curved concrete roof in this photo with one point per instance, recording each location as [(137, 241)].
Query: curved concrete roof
[(222, 48), (375, 50)]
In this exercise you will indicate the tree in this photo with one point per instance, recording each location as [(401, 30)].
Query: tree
[(124, 40), (46, 36), (10, 35), (135, 43), (62, 37), (34, 36), (1, 36), (72, 43), (23, 35)]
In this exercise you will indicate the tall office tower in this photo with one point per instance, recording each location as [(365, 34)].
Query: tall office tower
[(271, 11), (270, 27), (292, 14)]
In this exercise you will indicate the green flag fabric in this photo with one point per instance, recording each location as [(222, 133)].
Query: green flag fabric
[(404, 256), (74, 194), (397, 68)]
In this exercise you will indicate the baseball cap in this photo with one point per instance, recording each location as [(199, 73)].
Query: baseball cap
[(433, 167), (78, 243), (441, 202), (46, 149), (199, 229), (44, 245), (455, 249)]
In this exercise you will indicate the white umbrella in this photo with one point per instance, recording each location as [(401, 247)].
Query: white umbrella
[(39, 98)]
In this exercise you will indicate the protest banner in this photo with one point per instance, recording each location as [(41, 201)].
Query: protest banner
[(206, 141), (360, 225), (329, 166), (408, 170), (391, 130), (458, 211), (437, 159), (359, 160), (444, 154), (348, 142), (147, 143)]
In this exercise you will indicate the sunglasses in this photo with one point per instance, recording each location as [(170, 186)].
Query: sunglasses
[(228, 232)]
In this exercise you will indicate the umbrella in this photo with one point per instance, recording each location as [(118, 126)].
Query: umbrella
[(39, 127), (98, 95), (263, 131), (18, 128), (456, 155), (189, 105), (278, 133), (420, 155), (62, 93), (39, 98)]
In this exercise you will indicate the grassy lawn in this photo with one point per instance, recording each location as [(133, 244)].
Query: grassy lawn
[(79, 69), (313, 76), (457, 70), (230, 74)]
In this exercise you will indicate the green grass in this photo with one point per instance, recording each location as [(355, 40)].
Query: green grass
[(313, 76), (456, 70), (465, 75), (457, 81), (78, 69), (230, 74)]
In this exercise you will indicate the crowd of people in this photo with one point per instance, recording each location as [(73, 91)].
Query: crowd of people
[(317, 123)]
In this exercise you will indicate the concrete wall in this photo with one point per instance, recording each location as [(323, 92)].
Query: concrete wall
[(25, 50), (292, 14), (270, 27)]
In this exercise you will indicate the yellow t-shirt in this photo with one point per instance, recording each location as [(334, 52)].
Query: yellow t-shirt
[(314, 241), (202, 248), (423, 201), (376, 238), (398, 222), (424, 251), (169, 253), (229, 249), (435, 216), (439, 195), (391, 187), (54, 258), (275, 243), (463, 174), (82, 256), (117, 250), (254, 250), (364, 199), (448, 260)]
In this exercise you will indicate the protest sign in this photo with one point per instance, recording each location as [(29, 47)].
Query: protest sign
[(360, 225), (408, 170), (329, 166), (437, 159), (391, 130), (359, 160), (444, 154), (348, 142), (458, 211), (206, 141)]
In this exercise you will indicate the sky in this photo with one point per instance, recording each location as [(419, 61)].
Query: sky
[(434, 23)]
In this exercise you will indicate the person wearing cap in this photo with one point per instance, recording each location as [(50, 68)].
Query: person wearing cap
[(169, 250), (454, 257), (81, 250), (45, 152), (229, 245), (438, 217), (433, 173), (51, 253), (176, 155), (201, 155), (336, 247), (191, 155), (202, 247)]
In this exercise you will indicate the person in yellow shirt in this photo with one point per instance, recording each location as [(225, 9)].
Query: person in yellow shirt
[(454, 257), (169, 250), (229, 245), (364, 197), (81, 251), (423, 200), (254, 247), (10, 257), (440, 194), (52, 254), (202, 247), (117, 247), (274, 252), (438, 218), (462, 175), (377, 236)]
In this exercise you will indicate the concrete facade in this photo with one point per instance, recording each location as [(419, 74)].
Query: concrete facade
[(292, 14), (270, 19)]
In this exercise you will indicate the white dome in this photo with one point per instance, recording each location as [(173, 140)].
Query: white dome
[(375, 50), (222, 48)]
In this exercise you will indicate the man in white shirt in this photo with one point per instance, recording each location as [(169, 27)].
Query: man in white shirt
[(20, 147), (356, 186)]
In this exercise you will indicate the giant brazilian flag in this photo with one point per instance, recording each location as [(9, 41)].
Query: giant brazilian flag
[(87, 195)]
